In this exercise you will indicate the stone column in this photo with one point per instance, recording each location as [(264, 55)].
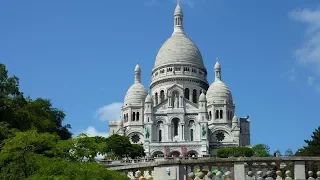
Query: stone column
[(299, 170), (170, 132), (239, 170)]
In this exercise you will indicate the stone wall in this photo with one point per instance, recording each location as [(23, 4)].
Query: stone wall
[(206, 168)]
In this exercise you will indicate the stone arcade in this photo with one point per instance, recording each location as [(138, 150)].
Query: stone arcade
[(183, 115)]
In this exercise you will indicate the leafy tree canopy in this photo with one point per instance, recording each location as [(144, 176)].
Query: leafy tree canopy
[(261, 150), (313, 145)]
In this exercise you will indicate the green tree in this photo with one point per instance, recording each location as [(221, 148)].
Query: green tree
[(261, 150), (289, 152), (24, 114), (120, 145), (19, 156), (59, 169), (136, 151), (81, 148), (313, 146)]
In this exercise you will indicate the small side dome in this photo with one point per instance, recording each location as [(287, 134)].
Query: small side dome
[(178, 10), (137, 68), (217, 65), (202, 97), (234, 119), (148, 99), (136, 94), (219, 92)]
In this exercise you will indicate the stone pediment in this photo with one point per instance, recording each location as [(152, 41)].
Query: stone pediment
[(161, 106), (190, 105), (175, 87)]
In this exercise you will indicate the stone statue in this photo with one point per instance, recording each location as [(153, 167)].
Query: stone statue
[(204, 131), (175, 101), (147, 133)]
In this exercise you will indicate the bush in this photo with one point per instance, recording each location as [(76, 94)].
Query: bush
[(235, 152)]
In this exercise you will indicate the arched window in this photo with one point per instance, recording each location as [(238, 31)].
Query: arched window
[(161, 95), (221, 114), (191, 134), (186, 93), (133, 116), (138, 114), (194, 96), (217, 114), (156, 98), (210, 115), (160, 135), (175, 126)]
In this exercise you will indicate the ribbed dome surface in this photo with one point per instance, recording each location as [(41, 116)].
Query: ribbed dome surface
[(148, 99), (179, 49), (135, 94), (219, 92)]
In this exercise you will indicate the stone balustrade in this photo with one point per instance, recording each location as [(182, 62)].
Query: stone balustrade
[(206, 168)]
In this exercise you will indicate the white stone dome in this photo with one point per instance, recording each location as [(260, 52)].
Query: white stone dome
[(202, 97), (136, 94), (148, 99), (219, 92), (179, 49)]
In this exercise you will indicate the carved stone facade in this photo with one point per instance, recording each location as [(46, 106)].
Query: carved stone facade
[(183, 115)]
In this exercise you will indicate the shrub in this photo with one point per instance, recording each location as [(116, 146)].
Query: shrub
[(235, 152)]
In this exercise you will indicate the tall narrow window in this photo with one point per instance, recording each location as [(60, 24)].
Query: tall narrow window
[(175, 127), (127, 117), (194, 96), (228, 115), (160, 135), (138, 115), (217, 114), (191, 134), (161, 95), (210, 115), (221, 114), (156, 98), (133, 116), (186, 93)]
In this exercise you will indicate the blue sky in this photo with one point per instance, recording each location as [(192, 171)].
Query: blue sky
[(81, 54)]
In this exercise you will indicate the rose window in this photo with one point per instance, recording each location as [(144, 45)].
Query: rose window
[(220, 136), (135, 138)]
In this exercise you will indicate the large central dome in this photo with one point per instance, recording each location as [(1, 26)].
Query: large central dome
[(179, 49)]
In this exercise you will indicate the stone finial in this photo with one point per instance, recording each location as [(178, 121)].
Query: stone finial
[(250, 175), (318, 175), (227, 175), (201, 175), (259, 174), (191, 175), (288, 175), (269, 175), (279, 175), (310, 174), (219, 175), (138, 174)]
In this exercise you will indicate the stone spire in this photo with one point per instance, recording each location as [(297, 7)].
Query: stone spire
[(137, 74), (178, 19), (217, 70)]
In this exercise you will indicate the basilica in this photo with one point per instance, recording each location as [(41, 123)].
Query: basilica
[(182, 115)]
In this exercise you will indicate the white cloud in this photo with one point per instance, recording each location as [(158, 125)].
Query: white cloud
[(91, 132), (309, 52), (110, 112), (311, 80)]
